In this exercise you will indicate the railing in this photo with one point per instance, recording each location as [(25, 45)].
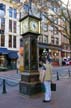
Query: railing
[(5, 82), (3, 68), (58, 75)]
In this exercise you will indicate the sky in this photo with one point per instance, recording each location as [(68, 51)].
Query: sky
[(65, 1)]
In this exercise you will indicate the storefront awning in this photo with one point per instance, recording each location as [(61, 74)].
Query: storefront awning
[(48, 46), (3, 51), (68, 51), (13, 55)]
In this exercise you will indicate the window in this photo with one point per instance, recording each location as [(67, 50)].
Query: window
[(55, 9), (57, 41), (2, 40), (52, 40), (14, 41), (2, 9), (40, 39), (56, 21), (15, 13), (16, 1), (25, 7), (3, 23), (44, 27), (21, 42), (52, 7), (45, 39), (43, 18), (14, 26), (55, 30), (2, 6), (10, 12), (10, 25), (10, 41), (67, 47)]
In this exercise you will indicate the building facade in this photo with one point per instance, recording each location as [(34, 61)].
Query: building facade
[(50, 39), (54, 38), (9, 34)]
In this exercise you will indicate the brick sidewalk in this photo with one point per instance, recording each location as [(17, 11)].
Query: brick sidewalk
[(10, 72), (60, 99)]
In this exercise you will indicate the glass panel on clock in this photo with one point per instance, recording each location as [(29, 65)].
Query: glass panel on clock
[(24, 26), (33, 55), (26, 54)]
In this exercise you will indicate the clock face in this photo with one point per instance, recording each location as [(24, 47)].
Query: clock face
[(34, 26), (24, 26)]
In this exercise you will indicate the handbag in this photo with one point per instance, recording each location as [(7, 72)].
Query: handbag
[(42, 88), (53, 86)]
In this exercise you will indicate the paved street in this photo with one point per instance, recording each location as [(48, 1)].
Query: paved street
[(13, 99), (60, 99), (14, 77), (33, 32)]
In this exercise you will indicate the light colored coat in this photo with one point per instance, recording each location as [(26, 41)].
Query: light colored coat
[(48, 72), (41, 74), (45, 75)]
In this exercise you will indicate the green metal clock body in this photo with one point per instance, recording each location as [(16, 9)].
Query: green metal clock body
[(30, 29)]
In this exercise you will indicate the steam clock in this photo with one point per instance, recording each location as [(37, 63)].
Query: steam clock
[(30, 29)]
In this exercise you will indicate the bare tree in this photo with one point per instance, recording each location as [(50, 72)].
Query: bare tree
[(52, 10), (55, 9)]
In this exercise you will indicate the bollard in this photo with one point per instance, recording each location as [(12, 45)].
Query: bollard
[(57, 76), (69, 72), (4, 87)]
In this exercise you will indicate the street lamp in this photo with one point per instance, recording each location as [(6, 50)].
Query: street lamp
[(55, 56), (44, 52), (44, 55)]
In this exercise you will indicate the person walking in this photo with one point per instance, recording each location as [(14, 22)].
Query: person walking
[(46, 78), (18, 65)]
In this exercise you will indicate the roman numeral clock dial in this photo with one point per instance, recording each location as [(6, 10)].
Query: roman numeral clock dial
[(34, 26), (30, 24)]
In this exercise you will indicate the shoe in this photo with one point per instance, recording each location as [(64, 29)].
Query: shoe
[(46, 101)]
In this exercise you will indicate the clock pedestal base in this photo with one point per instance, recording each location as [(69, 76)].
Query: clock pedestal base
[(29, 87)]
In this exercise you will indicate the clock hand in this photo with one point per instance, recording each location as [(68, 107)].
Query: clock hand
[(34, 25)]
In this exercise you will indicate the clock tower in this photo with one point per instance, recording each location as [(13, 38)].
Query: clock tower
[(30, 29), (30, 24)]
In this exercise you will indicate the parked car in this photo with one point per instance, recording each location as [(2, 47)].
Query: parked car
[(66, 61), (69, 60), (63, 62)]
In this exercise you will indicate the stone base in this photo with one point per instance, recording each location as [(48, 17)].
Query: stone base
[(29, 88)]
